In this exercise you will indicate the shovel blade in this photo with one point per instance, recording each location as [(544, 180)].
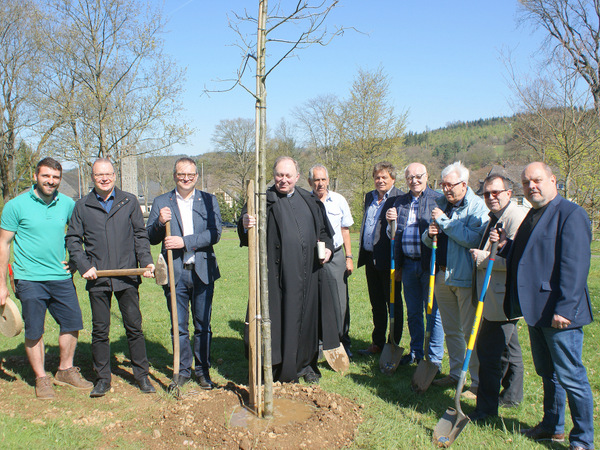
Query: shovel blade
[(449, 427), (161, 273), (390, 358), (337, 358), (423, 376)]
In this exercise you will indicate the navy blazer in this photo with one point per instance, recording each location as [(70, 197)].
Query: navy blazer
[(427, 203), (381, 242), (207, 232), (552, 273)]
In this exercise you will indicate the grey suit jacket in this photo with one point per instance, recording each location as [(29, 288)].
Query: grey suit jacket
[(207, 232)]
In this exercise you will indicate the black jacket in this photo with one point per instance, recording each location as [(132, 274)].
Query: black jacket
[(114, 240), (381, 244)]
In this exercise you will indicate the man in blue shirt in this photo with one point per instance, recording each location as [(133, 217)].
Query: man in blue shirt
[(375, 255), (36, 221)]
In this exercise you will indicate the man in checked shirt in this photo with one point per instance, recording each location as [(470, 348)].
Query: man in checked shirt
[(412, 211)]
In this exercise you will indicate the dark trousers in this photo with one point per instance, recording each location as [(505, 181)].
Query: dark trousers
[(193, 294), (129, 304), (500, 364), (378, 283)]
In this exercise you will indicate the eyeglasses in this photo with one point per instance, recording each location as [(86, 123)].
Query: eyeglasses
[(494, 194), (415, 177), (99, 176), (186, 176), (448, 186)]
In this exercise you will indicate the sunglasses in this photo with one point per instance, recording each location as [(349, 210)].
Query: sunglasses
[(494, 194)]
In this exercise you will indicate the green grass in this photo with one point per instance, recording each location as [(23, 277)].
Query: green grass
[(394, 416)]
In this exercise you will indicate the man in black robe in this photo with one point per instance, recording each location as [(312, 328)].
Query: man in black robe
[(295, 222)]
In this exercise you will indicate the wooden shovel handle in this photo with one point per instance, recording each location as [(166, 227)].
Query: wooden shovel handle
[(121, 272), (174, 315)]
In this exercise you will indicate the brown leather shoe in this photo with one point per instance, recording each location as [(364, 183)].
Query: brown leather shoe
[(370, 350), (72, 378), (538, 433), (43, 388)]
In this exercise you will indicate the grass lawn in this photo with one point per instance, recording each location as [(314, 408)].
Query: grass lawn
[(394, 416)]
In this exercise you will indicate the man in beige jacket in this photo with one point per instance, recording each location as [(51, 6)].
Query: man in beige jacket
[(500, 359)]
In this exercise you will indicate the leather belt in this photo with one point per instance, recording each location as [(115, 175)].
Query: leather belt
[(189, 266), (413, 259), (338, 249)]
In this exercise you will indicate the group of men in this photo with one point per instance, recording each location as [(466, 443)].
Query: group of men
[(106, 231), (540, 274)]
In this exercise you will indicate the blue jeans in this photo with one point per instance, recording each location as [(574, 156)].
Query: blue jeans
[(415, 282), (557, 359), (192, 292)]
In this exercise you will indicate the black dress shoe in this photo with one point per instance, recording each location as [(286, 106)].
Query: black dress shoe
[(205, 382), (100, 389), (145, 386), (480, 417), (311, 378)]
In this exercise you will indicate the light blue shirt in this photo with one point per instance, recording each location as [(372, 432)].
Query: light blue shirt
[(338, 213), (373, 212)]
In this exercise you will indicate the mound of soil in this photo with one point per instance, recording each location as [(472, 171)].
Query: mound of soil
[(305, 417), (203, 419)]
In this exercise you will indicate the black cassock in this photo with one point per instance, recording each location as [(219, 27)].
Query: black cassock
[(294, 225)]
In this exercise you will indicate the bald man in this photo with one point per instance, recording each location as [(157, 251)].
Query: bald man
[(412, 211), (547, 266)]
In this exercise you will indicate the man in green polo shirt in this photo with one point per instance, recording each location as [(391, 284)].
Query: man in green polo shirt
[(36, 221)]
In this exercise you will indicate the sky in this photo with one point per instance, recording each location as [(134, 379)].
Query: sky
[(443, 59)]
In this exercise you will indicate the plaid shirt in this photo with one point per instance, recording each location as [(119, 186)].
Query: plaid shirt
[(411, 239)]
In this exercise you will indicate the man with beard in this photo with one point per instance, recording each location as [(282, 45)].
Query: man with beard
[(295, 222), (36, 220)]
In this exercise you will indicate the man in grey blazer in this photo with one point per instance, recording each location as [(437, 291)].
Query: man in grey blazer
[(195, 227)]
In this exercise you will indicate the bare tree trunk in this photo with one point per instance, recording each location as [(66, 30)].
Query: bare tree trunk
[(261, 150)]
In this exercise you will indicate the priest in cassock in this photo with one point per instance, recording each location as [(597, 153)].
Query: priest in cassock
[(296, 220)]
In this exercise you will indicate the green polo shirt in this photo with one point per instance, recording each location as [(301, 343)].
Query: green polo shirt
[(39, 242)]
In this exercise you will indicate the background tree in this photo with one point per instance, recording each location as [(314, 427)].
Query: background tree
[(236, 138), (125, 96), (371, 129), (25, 85), (573, 28), (321, 122)]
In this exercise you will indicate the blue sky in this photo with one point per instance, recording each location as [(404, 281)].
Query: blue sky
[(442, 58)]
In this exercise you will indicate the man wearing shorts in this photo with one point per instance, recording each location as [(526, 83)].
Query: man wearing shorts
[(36, 220)]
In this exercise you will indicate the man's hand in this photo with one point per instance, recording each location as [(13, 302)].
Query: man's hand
[(391, 215), (174, 242), (349, 266), (437, 212), (560, 322), (474, 253), (164, 215), (3, 294), (328, 254), (433, 229), (499, 236), (248, 221), (90, 274), (150, 272)]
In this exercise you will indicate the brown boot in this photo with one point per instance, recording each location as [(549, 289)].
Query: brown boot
[(43, 388), (71, 377)]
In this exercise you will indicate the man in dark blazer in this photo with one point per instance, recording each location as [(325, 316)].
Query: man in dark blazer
[(195, 227), (375, 255), (412, 211), (547, 268), (106, 231)]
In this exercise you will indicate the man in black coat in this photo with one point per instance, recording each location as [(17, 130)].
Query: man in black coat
[(109, 223), (295, 222), (375, 255)]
